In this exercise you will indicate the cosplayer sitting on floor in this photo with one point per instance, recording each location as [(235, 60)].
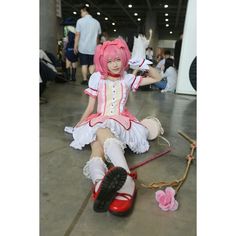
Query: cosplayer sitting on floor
[(112, 128)]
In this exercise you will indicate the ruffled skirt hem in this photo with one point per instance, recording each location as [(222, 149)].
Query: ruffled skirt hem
[(135, 137)]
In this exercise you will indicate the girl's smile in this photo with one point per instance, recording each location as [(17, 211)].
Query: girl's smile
[(114, 66)]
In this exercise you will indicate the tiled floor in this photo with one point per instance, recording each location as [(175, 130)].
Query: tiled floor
[(65, 203)]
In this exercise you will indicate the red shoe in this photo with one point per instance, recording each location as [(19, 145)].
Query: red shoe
[(111, 183), (120, 207)]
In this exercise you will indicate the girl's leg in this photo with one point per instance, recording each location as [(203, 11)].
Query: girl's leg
[(74, 66), (114, 152), (96, 165), (113, 147), (97, 150), (107, 183)]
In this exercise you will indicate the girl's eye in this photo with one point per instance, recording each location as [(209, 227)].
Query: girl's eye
[(117, 59)]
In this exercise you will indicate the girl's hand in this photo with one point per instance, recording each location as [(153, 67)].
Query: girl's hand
[(75, 50), (153, 76), (139, 64), (78, 124), (135, 71)]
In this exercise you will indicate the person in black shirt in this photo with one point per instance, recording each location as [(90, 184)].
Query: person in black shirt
[(177, 51)]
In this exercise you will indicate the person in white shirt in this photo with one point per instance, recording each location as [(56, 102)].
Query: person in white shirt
[(149, 53), (161, 64), (88, 30), (169, 77)]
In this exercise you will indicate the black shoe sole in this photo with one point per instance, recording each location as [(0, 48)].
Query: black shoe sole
[(112, 182)]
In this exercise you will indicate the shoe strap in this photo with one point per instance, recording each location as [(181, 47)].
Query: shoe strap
[(124, 195), (94, 193), (133, 174)]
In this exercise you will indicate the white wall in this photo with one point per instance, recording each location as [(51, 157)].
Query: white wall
[(166, 44), (188, 50), (48, 25)]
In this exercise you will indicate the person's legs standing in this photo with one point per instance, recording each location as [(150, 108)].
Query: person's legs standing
[(91, 69), (91, 64), (68, 67), (84, 67), (73, 75), (84, 70)]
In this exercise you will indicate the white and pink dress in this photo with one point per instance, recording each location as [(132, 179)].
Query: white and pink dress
[(112, 113)]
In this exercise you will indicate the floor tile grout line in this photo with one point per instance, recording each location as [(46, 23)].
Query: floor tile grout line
[(78, 215), (60, 148)]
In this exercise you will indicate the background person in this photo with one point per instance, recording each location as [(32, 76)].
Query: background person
[(149, 53), (178, 46), (71, 57), (86, 39), (169, 77)]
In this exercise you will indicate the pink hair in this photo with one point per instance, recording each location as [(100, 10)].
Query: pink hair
[(111, 50)]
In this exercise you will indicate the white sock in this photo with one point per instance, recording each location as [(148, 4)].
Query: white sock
[(128, 187), (97, 169), (97, 185), (114, 151)]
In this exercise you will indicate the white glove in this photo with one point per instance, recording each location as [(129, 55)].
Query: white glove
[(138, 63)]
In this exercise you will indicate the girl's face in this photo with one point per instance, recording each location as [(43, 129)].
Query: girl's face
[(114, 66)]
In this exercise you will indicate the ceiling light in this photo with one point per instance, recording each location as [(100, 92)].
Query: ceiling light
[(113, 23), (106, 18), (171, 32), (74, 12), (130, 6), (167, 25), (166, 14), (139, 19), (98, 13), (114, 30), (135, 13), (87, 5), (165, 6), (166, 19)]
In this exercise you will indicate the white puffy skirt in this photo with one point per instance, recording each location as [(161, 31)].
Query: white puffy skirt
[(135, 137)]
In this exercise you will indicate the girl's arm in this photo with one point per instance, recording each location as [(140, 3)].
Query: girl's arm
[(88, 111), (76, 42), (152, 77)]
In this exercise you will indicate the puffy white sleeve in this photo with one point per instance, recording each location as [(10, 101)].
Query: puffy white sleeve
[(133, 81), (92, 89)]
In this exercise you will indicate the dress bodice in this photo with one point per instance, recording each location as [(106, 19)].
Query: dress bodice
[(112, 97)]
